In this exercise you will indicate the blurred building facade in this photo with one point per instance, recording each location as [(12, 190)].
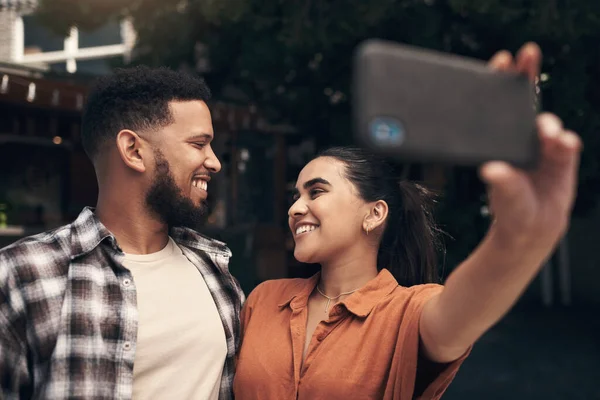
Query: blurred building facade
[(24, 41), (45, 178)]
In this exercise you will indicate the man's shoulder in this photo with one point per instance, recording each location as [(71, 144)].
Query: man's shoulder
[(32, 255), (45, 241)]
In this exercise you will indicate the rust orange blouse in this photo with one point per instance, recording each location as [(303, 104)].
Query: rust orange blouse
[(367, 349)]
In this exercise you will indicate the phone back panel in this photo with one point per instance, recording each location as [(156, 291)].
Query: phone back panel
[(420, 105)]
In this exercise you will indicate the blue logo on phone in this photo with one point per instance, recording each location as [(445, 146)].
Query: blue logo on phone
[(387, 131)]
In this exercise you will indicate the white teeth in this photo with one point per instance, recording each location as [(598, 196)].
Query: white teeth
[(199, 183), (305, 228)]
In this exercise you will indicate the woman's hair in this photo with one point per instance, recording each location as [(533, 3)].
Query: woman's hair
[(410, 241)]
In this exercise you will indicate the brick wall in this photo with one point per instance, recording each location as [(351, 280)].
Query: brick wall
[(7, 20)]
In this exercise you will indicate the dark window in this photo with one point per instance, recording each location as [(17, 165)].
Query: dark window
[(39, 39), (108, 34)]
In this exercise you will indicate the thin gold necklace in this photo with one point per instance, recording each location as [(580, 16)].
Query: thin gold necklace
[(333, 298)]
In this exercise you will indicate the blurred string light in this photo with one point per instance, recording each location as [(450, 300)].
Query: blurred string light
[(335, 97), (182, 6), (31, 92), (35, 91), (244, 157), (49, 95), (537, 95), (316, 61), (4, 84)]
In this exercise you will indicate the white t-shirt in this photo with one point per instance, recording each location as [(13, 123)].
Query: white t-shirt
[(181, 345)]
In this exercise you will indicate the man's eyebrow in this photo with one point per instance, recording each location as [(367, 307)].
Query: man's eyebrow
[(201, 136)]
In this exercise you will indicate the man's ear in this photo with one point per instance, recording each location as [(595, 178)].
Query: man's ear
[(377, 214), (132, 150)]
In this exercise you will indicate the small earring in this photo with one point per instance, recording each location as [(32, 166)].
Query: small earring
[(368, 229)]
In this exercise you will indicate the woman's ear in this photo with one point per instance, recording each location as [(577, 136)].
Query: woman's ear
[(376, 216)]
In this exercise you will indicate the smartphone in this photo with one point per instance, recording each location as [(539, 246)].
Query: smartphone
[(419, 105)]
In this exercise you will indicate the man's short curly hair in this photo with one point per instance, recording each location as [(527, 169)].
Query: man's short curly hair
[(137, 99)]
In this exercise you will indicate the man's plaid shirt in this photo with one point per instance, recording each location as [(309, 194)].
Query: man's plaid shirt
[(68, 315)]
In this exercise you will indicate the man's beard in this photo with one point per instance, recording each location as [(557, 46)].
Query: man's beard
[(166, 200)]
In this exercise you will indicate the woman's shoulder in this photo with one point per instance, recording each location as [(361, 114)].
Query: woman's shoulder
[(423, 288), (418, 294), (404, 303)]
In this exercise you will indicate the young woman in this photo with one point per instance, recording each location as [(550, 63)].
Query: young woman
[(370, 325)]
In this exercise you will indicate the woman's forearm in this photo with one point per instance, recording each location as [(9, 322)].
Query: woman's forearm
[(478, 294)]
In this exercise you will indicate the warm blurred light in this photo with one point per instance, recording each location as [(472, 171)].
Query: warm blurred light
[(31, 92), (57, 140), (244, 154), (336, 97), (484, 211), (4, 84), (314, 63), (544, 77), (182, 6)]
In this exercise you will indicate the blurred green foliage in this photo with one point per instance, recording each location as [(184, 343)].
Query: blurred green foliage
[(293, 60)]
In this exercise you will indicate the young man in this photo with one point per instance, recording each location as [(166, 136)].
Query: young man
[(128, 300)]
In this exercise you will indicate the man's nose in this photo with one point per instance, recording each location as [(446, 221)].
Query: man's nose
[(212, 163)]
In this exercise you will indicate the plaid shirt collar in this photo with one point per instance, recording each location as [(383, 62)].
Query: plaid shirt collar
[(87, 232)]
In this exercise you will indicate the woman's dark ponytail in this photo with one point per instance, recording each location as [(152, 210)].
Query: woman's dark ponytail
[(411, 240)]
